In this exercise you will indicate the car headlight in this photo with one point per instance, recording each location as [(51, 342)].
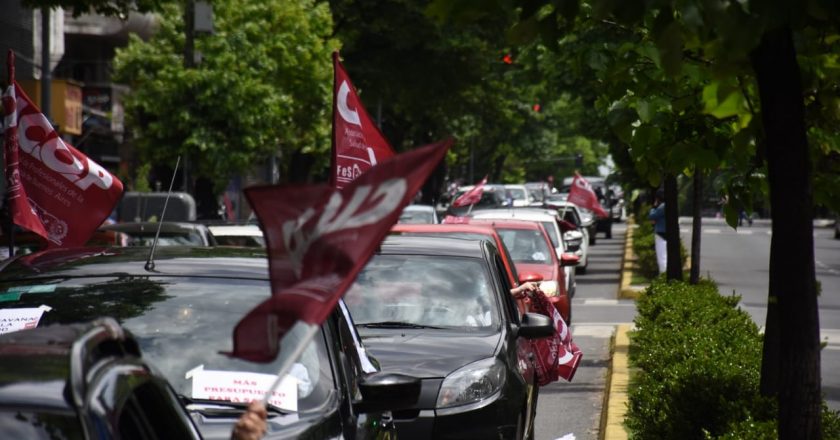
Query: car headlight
[(549, 288), (471, 383)]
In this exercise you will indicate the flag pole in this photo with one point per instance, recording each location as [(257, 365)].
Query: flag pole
[(309, 332), (10, 66)]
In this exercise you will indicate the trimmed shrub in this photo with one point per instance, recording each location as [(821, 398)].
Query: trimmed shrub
[(698, 359)]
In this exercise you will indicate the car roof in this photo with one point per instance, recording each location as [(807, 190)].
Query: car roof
[(428, 245), (244, 263), (445, 227), (423, 208), (514, 214), (236, 230), (507, 223)]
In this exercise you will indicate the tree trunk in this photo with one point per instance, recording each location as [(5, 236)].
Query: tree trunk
[(672, 229), (792, 278), (696, 223)]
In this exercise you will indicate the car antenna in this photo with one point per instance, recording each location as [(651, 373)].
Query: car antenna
[(150, 263)]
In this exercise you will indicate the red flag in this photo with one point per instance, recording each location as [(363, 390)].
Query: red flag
[(472, 196), (70, 194), (21, 211), (582, 194), (357, 142), (557, 356), (318, 238)]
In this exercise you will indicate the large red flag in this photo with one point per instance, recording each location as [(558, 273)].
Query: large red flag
[(582, 194), (357, 142), (472, 196), (21, 211), (70, 194), (318, 238)]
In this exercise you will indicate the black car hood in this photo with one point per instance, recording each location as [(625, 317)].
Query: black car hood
[(428, 353)]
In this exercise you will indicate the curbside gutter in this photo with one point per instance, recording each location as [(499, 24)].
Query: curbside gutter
[(628, 259), (618, 379)]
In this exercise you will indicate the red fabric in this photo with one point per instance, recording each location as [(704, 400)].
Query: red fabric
[(70, 194), (357, 142), (318, 238), (22, 213), (557, 356), (582, 194), (472, 196)]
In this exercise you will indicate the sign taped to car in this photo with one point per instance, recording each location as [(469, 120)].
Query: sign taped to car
[(12, 320), (245, 387)]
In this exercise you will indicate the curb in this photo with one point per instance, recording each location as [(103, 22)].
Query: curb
[(618, 379), (625, 290)]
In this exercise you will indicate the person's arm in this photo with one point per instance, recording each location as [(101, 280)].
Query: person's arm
[(521, 291), (657, 213), (252, 424)]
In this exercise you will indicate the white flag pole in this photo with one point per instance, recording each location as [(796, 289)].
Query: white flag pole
[(309, 332)]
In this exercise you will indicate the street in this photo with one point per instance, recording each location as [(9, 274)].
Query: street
[(738, 261), (575, 407)]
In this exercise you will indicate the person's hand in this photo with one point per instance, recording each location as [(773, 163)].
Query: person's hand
[(522, 290), (252, 424)]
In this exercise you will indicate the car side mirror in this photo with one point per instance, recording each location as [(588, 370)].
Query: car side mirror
[(569, 260), (532, 277), (387, 392), (535, 325)]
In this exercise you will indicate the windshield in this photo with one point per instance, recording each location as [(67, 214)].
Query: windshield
[(417, 217), (182, 324), (424, 291), (526, 245), (552, 233), (517, 193), (166, 239)]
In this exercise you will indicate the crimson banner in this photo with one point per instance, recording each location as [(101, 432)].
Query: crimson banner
[(357, 142)]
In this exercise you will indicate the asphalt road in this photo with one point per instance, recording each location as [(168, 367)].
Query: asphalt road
[(738, 261), (574, 408)]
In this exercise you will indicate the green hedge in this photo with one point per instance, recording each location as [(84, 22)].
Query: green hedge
[(697, 361)]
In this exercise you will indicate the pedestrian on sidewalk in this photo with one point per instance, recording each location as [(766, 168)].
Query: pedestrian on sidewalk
[(657, 217)]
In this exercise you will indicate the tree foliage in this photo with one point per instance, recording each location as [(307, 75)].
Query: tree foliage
[(262, 87)]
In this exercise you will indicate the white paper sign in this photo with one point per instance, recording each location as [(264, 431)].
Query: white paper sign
[(12, 320), (240, 386)]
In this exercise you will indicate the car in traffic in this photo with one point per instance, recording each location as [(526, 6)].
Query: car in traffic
[(521, 195), (536, 260), (414, 214), (493, 196), (237, 235), (471, 232), (182, 313), (84, 381), (441, 309), (171, 233), (550, 220), (571, 213)]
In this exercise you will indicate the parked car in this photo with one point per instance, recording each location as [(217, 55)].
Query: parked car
[(419, 214), (441, 309), (171, 233), (536, 259), (237, 235), (549, 218), (494, 196), (182, 316), (146, 206), (84, 381)]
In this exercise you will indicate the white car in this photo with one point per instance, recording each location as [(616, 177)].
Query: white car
[(571, 213), (521, 195), (548, 218), (418, 214), (237, 235)]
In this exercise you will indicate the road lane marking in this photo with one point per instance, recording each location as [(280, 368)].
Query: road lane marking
[(743, 232), (828, 269), (711, 230), (596, 331)]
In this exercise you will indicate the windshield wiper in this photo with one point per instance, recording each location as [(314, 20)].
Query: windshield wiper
[(395, 324), (212, 407)]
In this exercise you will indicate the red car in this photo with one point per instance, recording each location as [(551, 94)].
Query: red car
[(480, 232), (536, 260)]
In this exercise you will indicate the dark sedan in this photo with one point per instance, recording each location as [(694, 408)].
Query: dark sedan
[(440, 309), (182, 315)]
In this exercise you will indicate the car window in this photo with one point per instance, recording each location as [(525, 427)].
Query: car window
[(240, 240), (507, 300), (182, 325), (526, 245), (550, 228), (424, 290), (517, 193), (40, 425), (167, 239), (417, 217)]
